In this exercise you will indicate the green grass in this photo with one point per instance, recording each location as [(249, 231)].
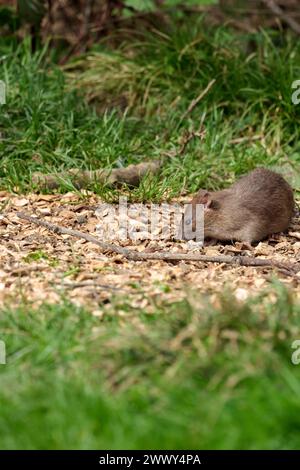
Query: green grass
[(116, 107), (127, 380), (187, 375)]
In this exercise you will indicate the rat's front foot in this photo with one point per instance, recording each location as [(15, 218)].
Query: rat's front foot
[(245, 246), (211, 242)]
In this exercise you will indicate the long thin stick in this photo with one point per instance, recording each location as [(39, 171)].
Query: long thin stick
[(163, 256), (194, 102), (272, 5)]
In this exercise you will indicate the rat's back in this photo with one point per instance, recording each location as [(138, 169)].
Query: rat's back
[(264, 183), (268, 197)]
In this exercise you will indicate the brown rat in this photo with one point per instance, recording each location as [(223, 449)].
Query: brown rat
[(257, 205)]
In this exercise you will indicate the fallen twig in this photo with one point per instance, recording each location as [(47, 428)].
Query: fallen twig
[(130, 175), (186, 138), (240, 140), (162, 256), (23, 270), (92, 284), (194, 102), (272, 5)]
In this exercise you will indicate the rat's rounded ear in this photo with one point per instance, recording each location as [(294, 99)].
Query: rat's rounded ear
[(204, 197)]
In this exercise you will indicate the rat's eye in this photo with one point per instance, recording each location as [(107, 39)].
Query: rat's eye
[(188, 222)]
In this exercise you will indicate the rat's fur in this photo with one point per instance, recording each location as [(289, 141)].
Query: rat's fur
[(257, 205)]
